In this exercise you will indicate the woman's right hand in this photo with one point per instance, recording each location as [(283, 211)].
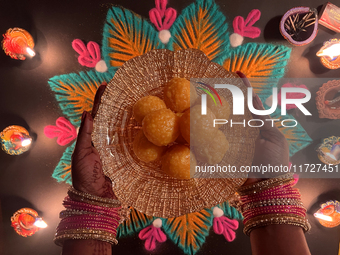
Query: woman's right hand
[(271, 146)]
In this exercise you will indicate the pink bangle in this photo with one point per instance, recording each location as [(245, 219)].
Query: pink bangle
[(97, 219), (265, 201), (289, 195), (292, 211)]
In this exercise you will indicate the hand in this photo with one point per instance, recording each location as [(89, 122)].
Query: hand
[(271, 146), (87, 171)]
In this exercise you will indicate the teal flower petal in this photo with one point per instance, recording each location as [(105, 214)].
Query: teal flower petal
[(136, 222), (127, 35), (297, 137), (62, 173), (201, 26), (189, 231), (75, 92), (263, 64), (230, 212)]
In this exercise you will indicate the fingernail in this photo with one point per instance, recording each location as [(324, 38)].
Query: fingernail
[(244, 79), (83, 116), (88, 115), (239, 73)]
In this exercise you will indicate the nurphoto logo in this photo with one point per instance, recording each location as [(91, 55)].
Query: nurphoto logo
[(239, 102)]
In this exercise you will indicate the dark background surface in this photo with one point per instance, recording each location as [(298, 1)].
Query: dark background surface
[(25, 180)]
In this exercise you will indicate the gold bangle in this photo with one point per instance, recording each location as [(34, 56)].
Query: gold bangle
[(271, 219), (68, 213), (266, 184), (92, 199), (270, 202), (84, 234)]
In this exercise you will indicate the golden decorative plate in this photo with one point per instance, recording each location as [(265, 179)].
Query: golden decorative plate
[(143, 185)]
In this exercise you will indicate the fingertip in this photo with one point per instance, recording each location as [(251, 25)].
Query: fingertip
[(86, 118), (83, 116), (239, 73), (244, 79), (87, 124)]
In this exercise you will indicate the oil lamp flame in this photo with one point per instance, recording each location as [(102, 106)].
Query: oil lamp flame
[(26, 142), (40, 223), (332, 51), (30, 52), (323, 217)]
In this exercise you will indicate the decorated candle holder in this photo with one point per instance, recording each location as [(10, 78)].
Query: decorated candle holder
[(15, 140), (26, 222), (329, 150), (328, 100), (329, 214), (18, 43), (299, 25), (330, 54)]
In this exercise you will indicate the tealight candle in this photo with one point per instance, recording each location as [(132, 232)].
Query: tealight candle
[(26, 222), (18, 43), (330, 54), (15, 140)]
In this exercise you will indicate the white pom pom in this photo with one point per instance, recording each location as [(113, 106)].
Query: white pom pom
[(101, 66), (269, 101), (235, 39), (157, 223), (217, 212), (164, 36)]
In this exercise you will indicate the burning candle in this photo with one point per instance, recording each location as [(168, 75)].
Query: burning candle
[(330, 54), (15, 140), (18, 43), (329, 214), (26, 222)]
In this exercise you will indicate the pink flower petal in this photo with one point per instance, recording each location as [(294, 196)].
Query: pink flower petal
[(230, 224), (291, 95), (159, 235), (147, 232), (218, 225), (64, 130), (150, 243), (229, 235)]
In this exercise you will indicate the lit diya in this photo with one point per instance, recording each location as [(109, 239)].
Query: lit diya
[(18, 43), (330, 54), (329, 214), (328, 100), (299, 25), (15, 140), (26, 222)]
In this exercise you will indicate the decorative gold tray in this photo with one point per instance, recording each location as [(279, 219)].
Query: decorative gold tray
[(143, 185)]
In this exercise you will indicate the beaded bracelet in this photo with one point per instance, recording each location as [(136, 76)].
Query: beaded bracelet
[(85, 234), (89, 217), (266, 184), (271, 219), (273, 201), (79, 196)]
